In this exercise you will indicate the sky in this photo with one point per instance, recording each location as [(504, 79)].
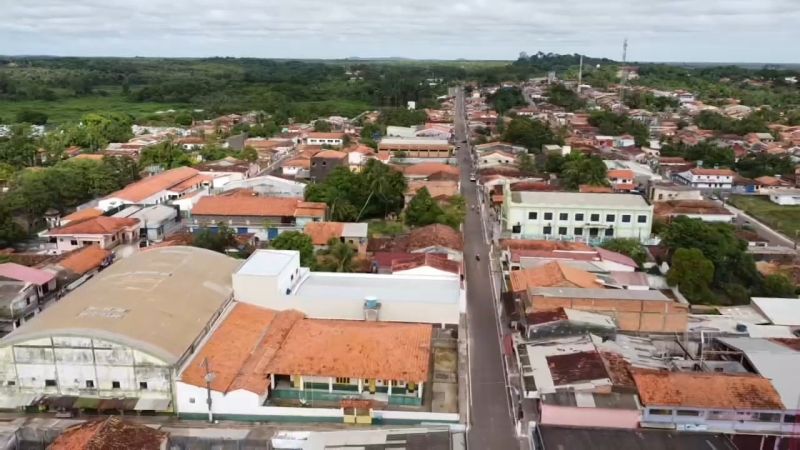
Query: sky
[(657, 30)]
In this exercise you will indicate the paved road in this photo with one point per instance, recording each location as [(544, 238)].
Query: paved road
[(764, 231), (492, 426)]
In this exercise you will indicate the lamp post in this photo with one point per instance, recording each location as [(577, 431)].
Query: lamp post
[(209, 377)]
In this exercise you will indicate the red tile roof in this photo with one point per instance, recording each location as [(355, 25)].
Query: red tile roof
[(317, 135), (429, 169), (576, 367), (257, 207), (713, 172), (147, 187), (706, 390), (435, 235), (322, 232), (82, 214), (543, 245), (590, 189), (85, 259), (625, 174), (426, 260), (96, 225), (554, 274), (330, 154)]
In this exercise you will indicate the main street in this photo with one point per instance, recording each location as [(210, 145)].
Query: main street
[(491, 421)]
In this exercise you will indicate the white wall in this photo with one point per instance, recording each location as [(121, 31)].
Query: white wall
[(534, 228), (785, 200)]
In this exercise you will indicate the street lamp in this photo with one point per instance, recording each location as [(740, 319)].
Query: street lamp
[(209, 377)]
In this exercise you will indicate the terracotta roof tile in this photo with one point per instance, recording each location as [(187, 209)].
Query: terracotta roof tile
[(555, 274), (719, 172), (257, 207), (576, 367), (95, 225), (318, 135), (621, 173), (425, 260), (525, 244), (147, 187), (435, 235), (322, 232), (85, 259), (706, 390), (330, 154), (589, 189), (425, 169), (437, 189), (82, 214)]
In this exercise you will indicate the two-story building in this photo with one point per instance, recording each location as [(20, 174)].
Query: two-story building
[(621, 180), (496, 158), (351, 233), (666, 191), (161, 188), (266, 217), (706, 179), (325, 162), (575, 216), (414, 148), (23, 293)]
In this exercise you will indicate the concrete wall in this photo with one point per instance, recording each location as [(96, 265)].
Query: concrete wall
[(631, 315), (719, 421), (72, 361)]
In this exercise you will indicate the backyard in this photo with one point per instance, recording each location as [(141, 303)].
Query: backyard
[(785, 219)]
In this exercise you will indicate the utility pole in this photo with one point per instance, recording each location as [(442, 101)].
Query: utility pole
[(209, 377), (580, 75)]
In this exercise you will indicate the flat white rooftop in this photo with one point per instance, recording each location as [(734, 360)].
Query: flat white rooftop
[(395, 288), (579, 200), (779, 311), (268, 262)]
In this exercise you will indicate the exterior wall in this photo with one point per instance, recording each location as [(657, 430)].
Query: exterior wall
[(590, 417), (70, 362), (264, 292), (723, 218), (331, 142), (784, 200), (23, 307), (535, 228), (425, 154), (67, 243), (265, 228), (717, 421), (322, 167), (658, 194), (631, 315), (704, 181), (495, 161)]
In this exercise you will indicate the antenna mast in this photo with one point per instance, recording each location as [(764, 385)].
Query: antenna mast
[(624, 70), (580, 75)]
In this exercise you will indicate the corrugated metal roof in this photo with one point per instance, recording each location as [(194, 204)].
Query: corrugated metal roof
[(605, 294)]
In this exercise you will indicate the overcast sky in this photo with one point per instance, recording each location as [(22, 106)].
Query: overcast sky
[(658, 30)]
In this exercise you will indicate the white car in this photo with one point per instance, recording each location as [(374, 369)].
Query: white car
[(472, 178)]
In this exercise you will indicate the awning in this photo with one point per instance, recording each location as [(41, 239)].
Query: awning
[(153, 404)]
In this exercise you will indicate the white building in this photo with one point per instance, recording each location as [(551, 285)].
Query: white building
[(496, 158), (718, 179), (332, 139), (785, 197), (165, 187), (155, 222), (576, 216), (121, 335), (666, 191), (274, 279)]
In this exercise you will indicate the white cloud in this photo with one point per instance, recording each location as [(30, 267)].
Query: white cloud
[(666, 30)]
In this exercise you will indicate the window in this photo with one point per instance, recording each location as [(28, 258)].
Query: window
[(191, 400), (548, 230), (578, 232), (768, 417), (548, 216), (143, 385), (626, 218), (595, 218), (562, 231), (609, 232), (593, 232), (687, 412), (14, 383), (660, 412), (516, 229), (342, 380), (788, 418), (578, 217), (642, 219), (115, 385), (563, 216), (89, 384), (533, 216), (73, 242), (610, 217), (49, 383)]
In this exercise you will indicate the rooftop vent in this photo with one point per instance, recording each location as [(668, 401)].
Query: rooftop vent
[(372, 309)]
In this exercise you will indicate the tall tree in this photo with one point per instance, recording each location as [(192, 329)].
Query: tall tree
[(338, 257), (422, 210), (526, 164), (578, 170), (531, 134), (295, 240), (219, 240), (692, 273)]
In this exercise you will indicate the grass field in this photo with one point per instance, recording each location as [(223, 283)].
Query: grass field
[(386, 228), (785, 219), (71, 109)]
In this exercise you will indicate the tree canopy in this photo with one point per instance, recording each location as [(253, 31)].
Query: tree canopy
[(614, 124), (579, 169), (504, 99), (692, 273), (628, 247), (531, 134), (296, 240)]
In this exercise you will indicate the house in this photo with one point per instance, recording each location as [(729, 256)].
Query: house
[(191, 143), (284, 357), (274, 279), (155, 221), (665, 191), (299, 167), (633, 310), (554, 274), (105, 232), (700, 178), (575, 216), (121, 336), (331, 139), (705, 210), (431, 170), (500, 146), (785, 197), (767, 183), (354, 234), (496, 158), (595, 260), (229, 169), (81, 265), (161, 188), (23, 293), (440, 190), (621, 180), (358, 156), (721, 402), (265, 216), (416, 148), (325, 162), (99, 433)]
